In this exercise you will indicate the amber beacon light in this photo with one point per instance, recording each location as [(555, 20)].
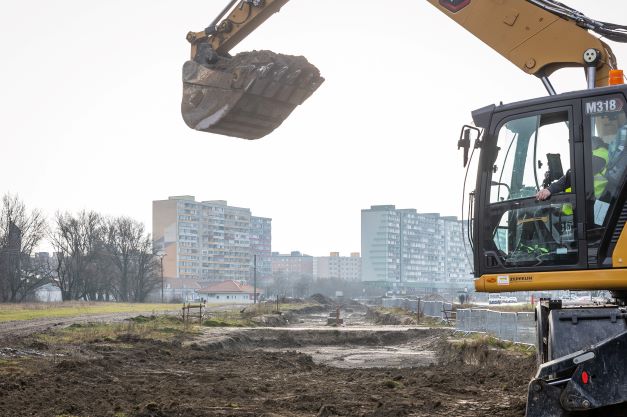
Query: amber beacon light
[(616, 77)]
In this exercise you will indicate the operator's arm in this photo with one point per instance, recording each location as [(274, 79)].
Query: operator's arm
[(562, 184), (558, 186)]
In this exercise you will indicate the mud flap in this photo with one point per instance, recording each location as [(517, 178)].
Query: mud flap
[(586, 380), (247, 96)]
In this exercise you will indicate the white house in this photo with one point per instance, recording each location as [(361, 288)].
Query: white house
[(229, 292)]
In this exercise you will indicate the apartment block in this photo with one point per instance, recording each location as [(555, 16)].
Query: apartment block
[(261, 245), (405, 249), (293, 265), (334, 266), (206, 240)]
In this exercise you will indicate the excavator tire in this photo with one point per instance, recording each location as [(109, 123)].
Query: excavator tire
[(248, 95)]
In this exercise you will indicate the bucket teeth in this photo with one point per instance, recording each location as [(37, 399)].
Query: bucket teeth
[(246, 96)]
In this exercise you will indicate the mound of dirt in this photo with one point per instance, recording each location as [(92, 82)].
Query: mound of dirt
[(321, 299), (388, 318)]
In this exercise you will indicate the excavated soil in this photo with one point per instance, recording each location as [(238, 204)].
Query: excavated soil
[(268, 372), (264, 57)]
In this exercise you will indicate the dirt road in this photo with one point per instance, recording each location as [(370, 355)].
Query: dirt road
[(303, 370)]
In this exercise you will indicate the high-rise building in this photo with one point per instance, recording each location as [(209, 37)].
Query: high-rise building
[(261, 245), (347, 268), (405, 249), (205, 240)]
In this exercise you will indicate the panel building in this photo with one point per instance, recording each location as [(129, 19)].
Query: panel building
[(208, 240), (293, 265), (261, 245), (334, 266), (404, 249)]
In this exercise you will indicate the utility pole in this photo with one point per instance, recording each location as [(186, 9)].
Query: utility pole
[(255, 279), (161, 255)]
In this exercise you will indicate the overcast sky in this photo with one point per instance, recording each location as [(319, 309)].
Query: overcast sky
[(90, 106)]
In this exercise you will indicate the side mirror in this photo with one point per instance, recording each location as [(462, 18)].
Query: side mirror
[(464, 140)]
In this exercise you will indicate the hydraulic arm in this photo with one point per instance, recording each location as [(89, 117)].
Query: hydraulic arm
[(533, 36)]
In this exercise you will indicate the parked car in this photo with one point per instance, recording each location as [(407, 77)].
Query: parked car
[(494, 299)]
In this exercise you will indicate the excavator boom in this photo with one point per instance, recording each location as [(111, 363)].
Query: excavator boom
[(536, 40)]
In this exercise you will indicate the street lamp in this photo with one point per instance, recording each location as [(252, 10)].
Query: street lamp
[(161, 254)]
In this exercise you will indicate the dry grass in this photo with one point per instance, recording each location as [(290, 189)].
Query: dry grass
[(30, 311), (476, 339), (165, 328)]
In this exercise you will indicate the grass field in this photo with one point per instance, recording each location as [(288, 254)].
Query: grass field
[(163, 328), (30, 311)]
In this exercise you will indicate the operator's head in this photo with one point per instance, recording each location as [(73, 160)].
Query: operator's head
[(607, 125)]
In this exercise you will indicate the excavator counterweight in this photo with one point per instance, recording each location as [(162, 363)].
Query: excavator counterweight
[(248, 95)]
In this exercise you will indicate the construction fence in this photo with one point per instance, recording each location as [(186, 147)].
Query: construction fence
[(511, 326), (514, 327), (436, 309)]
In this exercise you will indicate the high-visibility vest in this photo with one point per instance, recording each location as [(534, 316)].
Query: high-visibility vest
[(600, 182)]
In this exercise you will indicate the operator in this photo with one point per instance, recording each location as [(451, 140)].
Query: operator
[(605, 150)]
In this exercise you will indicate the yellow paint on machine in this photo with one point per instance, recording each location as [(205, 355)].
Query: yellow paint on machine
[(614, 279), (619, 255), (597, 279)]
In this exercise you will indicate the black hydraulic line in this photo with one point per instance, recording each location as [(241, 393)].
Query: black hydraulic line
[(611, 31), (470, 214), (213, 24)]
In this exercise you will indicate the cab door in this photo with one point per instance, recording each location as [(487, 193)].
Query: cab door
[(524, 152)]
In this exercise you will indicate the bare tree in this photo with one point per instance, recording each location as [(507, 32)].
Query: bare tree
[(75, 240), (20, 233), (147, 276), (129, 248)]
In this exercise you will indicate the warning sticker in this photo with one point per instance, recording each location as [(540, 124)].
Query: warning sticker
[(502, 280)]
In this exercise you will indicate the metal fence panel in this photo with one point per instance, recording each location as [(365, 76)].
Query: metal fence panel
[(514, 327)]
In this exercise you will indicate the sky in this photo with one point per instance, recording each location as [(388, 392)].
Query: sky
[(90, 118)]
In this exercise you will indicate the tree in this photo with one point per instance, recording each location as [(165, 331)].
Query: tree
[(129, 248), (20, 233), (76, 240)]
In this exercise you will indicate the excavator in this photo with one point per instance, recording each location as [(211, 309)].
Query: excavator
[(573, 240)]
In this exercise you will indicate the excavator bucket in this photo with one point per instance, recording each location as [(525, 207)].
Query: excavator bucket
[(248, 95)]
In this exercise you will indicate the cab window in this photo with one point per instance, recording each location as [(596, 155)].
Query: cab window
[(531, 151), (605, 124)]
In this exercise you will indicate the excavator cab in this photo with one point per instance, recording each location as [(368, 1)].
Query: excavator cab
[(527, 146), (573, 240)]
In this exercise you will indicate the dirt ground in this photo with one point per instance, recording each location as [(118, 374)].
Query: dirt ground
[(306, 369)]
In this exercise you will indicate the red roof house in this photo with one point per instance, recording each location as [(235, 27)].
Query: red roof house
[(229, 292)]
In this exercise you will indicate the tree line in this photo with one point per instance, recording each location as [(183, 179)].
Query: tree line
[(95, 257)]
